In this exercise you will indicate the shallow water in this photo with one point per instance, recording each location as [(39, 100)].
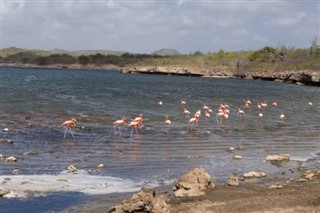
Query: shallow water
[(45, 98)]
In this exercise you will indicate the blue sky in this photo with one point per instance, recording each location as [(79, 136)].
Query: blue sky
[(148, 25)]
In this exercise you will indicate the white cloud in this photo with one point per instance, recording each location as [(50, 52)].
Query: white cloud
[(145, 26)]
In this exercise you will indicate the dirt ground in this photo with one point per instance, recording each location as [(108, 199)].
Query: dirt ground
[(248, 197)]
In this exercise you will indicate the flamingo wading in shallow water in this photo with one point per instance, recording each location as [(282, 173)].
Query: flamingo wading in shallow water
[(168, 122), (135, 125), (68, 124), (122, 121)]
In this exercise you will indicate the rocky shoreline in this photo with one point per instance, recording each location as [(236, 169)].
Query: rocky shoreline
[(301, 77), (195, 192)]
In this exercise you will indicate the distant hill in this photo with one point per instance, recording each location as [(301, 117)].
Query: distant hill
[(86, 52), (14, 50), (166, 52)]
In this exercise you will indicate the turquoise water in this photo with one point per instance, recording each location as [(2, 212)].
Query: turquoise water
[(45, 98)]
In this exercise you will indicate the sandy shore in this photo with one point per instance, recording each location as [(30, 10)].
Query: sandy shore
[(249, 197)]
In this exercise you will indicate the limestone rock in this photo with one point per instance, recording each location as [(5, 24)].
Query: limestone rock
[(233, 180), (72, 169), (11, 159), (3, 192), (308, 175), (237, 157), (254, 175), (143, 201), (277, 186), (231, 149), (100, 166), (281, 157), (193, 183)]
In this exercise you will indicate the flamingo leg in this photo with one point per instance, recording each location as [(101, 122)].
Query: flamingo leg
[(65, 132), (119, 130), (71, 132), (115, 133), (131, 132), (217, 120), (137, 132)]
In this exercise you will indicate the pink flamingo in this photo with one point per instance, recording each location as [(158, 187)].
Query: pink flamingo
[(160, 103), (68, 124), (247, 103), (282, 116), (226, 116), (186, 112), (260, 116), (135, 125), (219, 115), (197, 114), (274, 104), (240, 113), (122, 121), (193, 121), (139, 119), (168, 122), (183, 102), (207, 115)]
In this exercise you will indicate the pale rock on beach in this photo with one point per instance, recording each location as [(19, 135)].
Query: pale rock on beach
[(193, 183)]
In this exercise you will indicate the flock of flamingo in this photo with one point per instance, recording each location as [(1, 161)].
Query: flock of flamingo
[(221, 116)]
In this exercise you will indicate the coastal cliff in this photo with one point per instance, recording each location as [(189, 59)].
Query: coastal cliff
[(303, 77)]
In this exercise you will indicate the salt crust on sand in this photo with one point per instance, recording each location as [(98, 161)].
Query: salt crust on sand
[(24, 186)]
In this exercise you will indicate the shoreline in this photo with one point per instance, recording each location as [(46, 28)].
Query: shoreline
[(248, 197), (301, 77), (268, 194)]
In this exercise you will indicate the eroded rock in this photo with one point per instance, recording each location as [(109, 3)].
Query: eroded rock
[(143, 201), (72, 169), (193, 183), (233, 180), (281, 157), (254, 174)]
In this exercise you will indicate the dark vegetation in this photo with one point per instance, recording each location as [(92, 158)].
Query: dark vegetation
[(281, 58)]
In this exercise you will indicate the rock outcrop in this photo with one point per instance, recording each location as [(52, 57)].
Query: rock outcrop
[(254, 174), (163, 70), (193, 183), (281, 157), (143, 201), (307, 77)]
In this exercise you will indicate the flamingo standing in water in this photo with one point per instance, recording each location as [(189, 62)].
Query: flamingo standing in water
[(68, 124), (193, 121), (186, 113), (240, 113), (183, 102), (139, 119), (168, 122), (260, 116), (219, 115), (160, 103), (122, 121), (135, 125), (282, 116)]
